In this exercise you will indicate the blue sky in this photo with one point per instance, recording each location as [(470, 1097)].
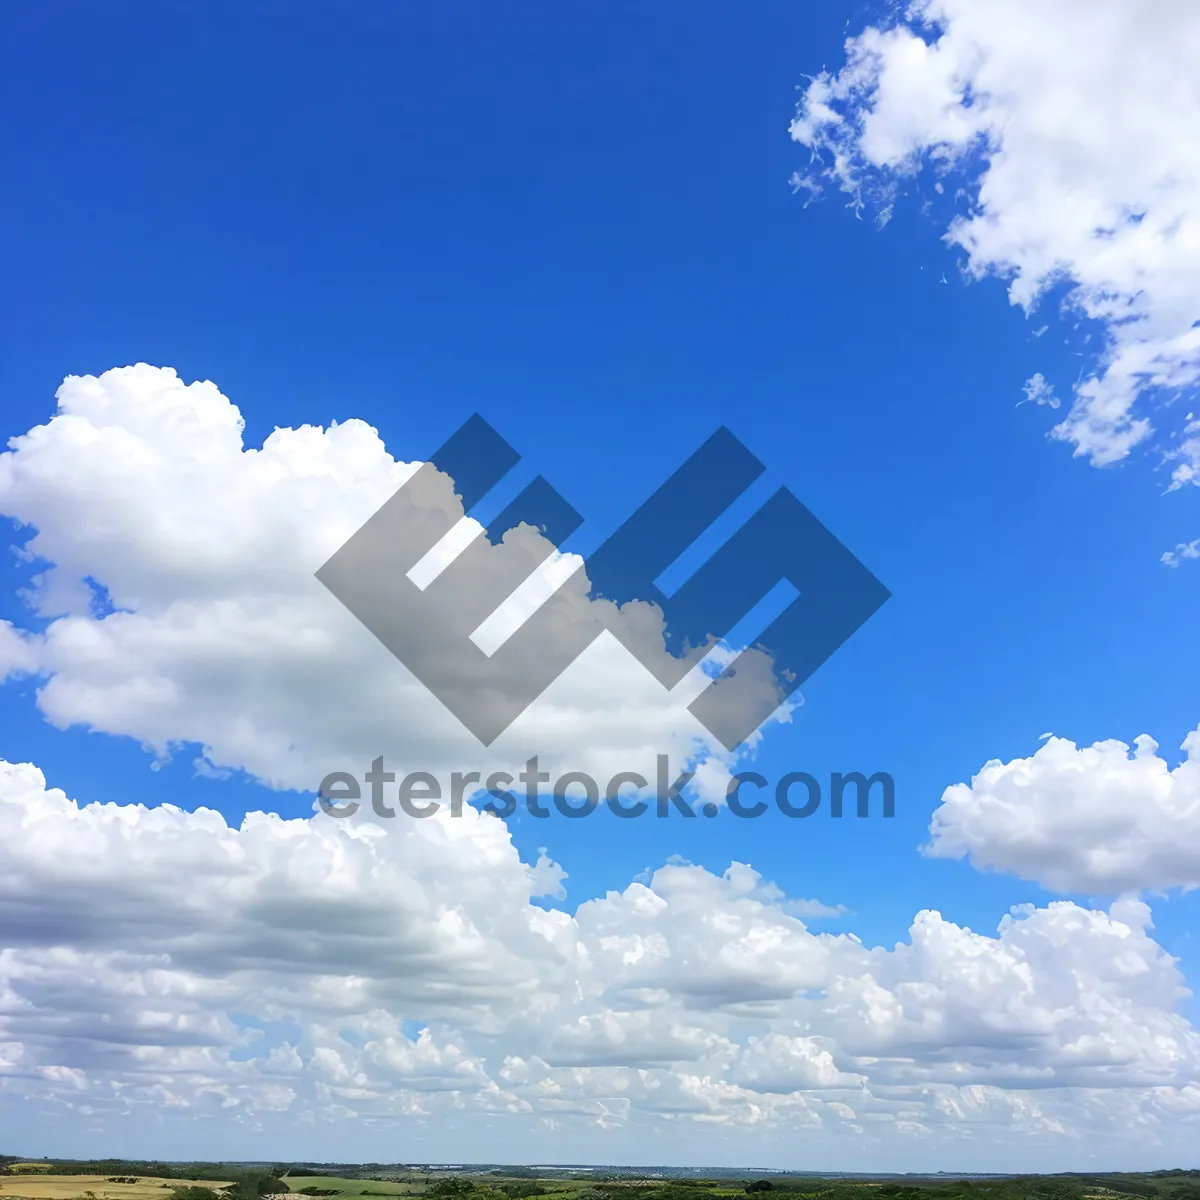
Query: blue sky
[(581, 225)]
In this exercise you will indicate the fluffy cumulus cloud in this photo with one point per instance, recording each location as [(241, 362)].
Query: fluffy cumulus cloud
[(178, 603), (1070, 125), (351, 975), (1094, 819)]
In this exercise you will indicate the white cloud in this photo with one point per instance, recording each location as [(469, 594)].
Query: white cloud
[(1073, 124), (16, 655), (1039, 392), (1097, 819), (182, 606), (351, 975), (782, 1064), (1172, 558)]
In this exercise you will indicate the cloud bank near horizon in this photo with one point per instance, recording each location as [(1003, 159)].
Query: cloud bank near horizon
[(313, 972)]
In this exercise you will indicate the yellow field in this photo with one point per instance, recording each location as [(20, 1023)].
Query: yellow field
[(30, 1186)]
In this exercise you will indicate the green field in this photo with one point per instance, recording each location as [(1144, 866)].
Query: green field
[(351, 1188)]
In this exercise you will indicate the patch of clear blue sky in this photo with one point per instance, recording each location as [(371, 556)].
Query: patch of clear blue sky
[(577, 221)]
